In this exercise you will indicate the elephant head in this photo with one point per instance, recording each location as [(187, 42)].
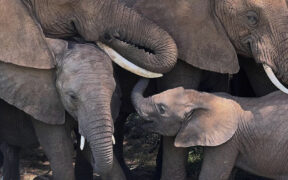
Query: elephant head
[(209, 33), (109, 21), (195, 118), (86, 84)]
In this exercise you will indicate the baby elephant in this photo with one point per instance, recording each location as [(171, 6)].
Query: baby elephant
[(250, 133)]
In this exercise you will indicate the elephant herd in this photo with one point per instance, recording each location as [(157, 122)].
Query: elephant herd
[(62, 69)]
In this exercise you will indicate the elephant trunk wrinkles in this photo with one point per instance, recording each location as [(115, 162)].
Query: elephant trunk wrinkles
[(110, 21), (141, 104), (279, 59), (139, 40), (96, 125), (282, 65)]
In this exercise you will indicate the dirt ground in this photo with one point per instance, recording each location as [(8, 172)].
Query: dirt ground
[(140, 152)]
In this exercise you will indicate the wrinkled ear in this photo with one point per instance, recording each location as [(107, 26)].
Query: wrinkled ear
[(32, 91), (212, 123), (21, 39), (200, 37)]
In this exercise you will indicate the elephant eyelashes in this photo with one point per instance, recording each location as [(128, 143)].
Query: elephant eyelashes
[(161, 108), (252, 18)]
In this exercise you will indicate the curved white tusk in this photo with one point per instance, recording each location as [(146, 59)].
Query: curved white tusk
[(82, 143), (113, 140), (274, 79), (124, 63)]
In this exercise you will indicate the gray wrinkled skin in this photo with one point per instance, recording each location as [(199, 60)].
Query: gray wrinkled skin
[(209, 34), (85, 85), (250, 133), (109, 21)]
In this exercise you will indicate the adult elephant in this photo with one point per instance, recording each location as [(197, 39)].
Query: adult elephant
[(133, 36), (209, 34), (24, 23)]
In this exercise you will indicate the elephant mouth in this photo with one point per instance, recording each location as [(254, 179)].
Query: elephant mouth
[(148, 125), (131, 44)]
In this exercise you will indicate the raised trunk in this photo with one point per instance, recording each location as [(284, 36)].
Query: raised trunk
[(96, 125), (134, 37), (142, 105)]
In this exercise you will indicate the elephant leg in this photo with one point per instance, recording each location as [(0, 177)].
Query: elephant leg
[(119, 138), (57, 145), (83, 168), (174, 159), (11, 169), (173, 156), (218, 162)]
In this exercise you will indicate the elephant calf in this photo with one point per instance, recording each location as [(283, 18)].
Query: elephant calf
[(250, 133), (84, 87)]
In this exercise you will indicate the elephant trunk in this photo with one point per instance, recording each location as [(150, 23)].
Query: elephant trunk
[(273, 56), (139, 40), (110, 21), (96, 125), (142, 105), (282, 62)]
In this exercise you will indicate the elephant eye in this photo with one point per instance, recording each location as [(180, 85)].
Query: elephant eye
[(72, 96), (252, 18), (161, 108)]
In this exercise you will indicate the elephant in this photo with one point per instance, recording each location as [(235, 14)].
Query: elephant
[(209, 35), (109, 22), (127, 34), (82, 84), (249, 133), (19, 130)]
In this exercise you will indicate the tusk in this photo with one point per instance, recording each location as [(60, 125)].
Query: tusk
[(274, 79), (82, 143), (124, 63), (113, 140)]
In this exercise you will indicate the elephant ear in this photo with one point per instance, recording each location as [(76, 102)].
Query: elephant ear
[(21, 39), (58, 47), (200, 37), (32, 91), (213, 121)]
